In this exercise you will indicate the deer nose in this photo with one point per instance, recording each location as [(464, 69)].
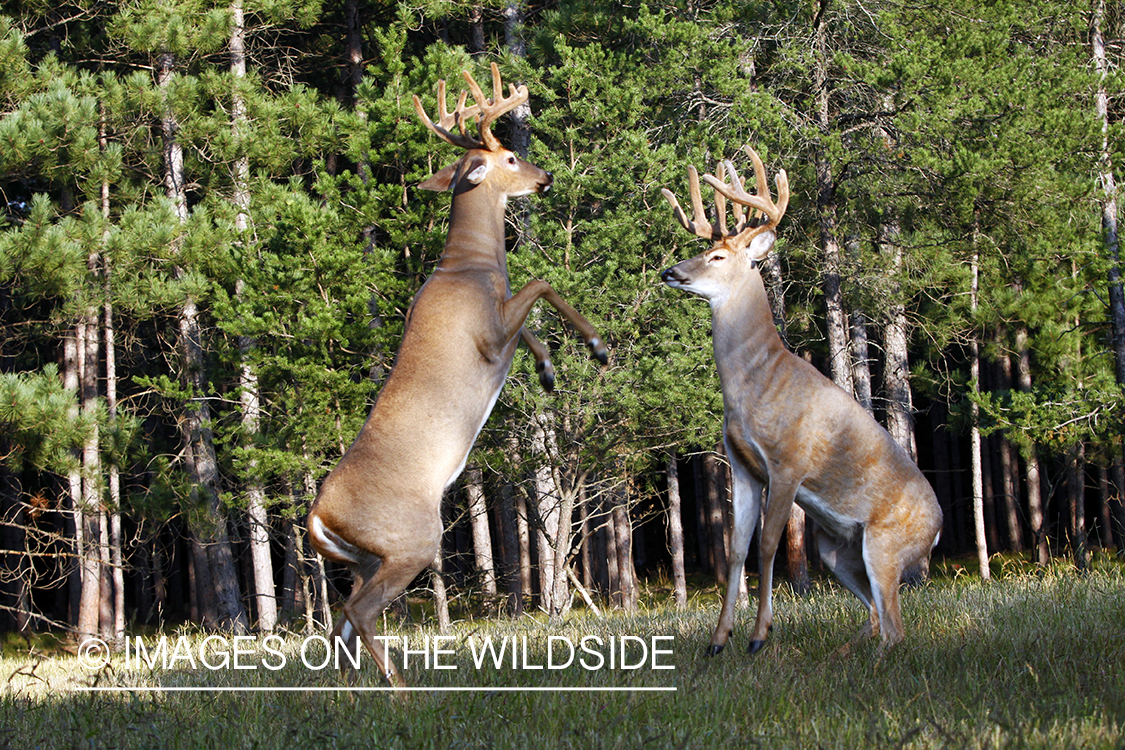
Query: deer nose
[(671, 275), (546, 185)]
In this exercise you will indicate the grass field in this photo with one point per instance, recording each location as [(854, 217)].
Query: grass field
[(1033, 659)]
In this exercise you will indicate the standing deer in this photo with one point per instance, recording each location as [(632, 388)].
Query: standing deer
[(378, 512), (793, 435)]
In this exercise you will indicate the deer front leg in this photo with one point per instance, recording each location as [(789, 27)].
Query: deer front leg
[(515, 309), (543, 366), (778, 503), (747, 493)]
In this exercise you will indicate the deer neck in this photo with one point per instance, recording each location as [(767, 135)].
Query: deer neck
[(476, 231), (743, 332)]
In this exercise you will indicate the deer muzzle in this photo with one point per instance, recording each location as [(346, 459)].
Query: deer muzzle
[(674, 277)]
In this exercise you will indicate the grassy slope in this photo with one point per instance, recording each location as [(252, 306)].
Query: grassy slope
[(1029, 660)]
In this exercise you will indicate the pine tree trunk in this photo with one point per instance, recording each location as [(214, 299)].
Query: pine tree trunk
[(1117, 503), (261, 563), (861, 361), (716, 519), (623, 543), (860, 348), (835, 318), (1031, 459), (978, 472), (113, 476), (548, 509), (89, 605), (561, 595), (523, 525), (441, 596), (201, 464), (482, 537), (608, 549), (1109, 203), (476, 29), (705, 546), (520, 133), (1105, 518), (676, 533), (1076, 502), (511, 572), (1009, 466), (896, 371), (796, 558)]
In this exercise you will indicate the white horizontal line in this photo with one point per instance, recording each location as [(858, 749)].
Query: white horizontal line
[(313, 689)]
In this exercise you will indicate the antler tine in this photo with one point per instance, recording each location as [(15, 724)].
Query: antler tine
[(698, 225), (721, 203), (762, 201), (447, 120), (492, 108)]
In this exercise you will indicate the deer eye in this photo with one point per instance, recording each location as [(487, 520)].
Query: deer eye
[(717, 258)]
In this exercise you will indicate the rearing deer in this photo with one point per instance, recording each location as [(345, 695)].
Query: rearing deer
[(378, 511), (793, 435)]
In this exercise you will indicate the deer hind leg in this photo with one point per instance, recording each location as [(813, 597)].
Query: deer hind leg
[(516, 308), (887, 553), (543, 366), (372, 594), (846, 561), (747, 493)]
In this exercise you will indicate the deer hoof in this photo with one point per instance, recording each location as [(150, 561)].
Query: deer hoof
[(546, 375), (713, 650), (597, 348), (756, 646)]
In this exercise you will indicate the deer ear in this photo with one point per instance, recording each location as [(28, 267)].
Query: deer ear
[(476, 170), (761, 245), (441, 180)]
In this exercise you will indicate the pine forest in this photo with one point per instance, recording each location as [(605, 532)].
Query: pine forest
[(212, 230)]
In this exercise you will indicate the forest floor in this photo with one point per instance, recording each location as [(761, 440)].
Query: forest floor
[(1034, 658)]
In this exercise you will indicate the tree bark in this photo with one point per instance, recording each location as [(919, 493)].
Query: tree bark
[(1009, 467), (1076, 501), (261, 563), (520, 133), (1117, 503), (836, 321), (1105, 516), (715, 481), (796, 558), (482, 537), (627, 575), (87, 519), (547, 508), (974, 429), (511, 572), (201, 463), (441, 596), (1031, 457), (676, 533), (896, 371), (1109, 202), (861, 361)]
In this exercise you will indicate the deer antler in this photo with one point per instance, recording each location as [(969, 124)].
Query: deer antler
[(447, 120), (487, 110), (761, 201), (698, 225), (744, 229)]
